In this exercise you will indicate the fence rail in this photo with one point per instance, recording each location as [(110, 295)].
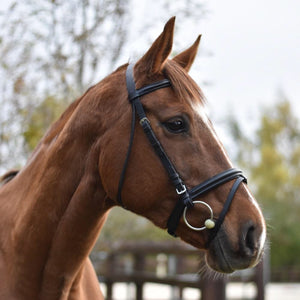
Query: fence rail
[(174, 264)]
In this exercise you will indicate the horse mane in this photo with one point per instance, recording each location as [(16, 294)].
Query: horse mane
[(183, 85)]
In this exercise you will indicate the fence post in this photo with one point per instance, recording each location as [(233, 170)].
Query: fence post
[(262, 275), (176, 291), (213, 289), (139, 264), (110, 268), (259, 278), (179, 269)]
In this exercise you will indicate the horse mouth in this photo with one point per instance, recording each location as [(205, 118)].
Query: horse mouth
[(224, 257), (217, 259)]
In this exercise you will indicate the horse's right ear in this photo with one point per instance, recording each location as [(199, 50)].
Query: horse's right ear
[(153, 61)]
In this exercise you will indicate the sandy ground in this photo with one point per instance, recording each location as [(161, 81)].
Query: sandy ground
[(234, 291)]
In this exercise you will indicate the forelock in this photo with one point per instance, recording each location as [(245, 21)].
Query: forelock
[(183, 85)]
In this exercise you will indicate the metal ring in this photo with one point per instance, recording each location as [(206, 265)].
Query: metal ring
[(197, 228)]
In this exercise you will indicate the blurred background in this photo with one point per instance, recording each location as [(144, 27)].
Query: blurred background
[(248, 67)]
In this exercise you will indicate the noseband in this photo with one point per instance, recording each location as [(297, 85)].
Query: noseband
[(186, 197)]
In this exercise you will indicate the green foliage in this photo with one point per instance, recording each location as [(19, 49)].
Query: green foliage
[(46, 50), (41, 118), (123, 225), (274, 165)]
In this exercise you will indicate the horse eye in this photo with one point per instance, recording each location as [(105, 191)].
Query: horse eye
[(176, 125)]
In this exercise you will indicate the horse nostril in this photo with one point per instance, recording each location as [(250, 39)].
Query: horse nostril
[(249, 241)]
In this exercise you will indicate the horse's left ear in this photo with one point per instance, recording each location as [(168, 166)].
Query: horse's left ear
[(186, 58), (153, 61)]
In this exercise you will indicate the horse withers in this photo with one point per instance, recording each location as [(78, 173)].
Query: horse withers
[(140, 139)]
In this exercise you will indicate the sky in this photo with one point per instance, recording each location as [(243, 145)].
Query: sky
[(249, 52), (256, 54)]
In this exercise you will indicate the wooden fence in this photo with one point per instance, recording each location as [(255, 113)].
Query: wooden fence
[(175, 264)]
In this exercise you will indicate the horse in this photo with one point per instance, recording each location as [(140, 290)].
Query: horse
[(140, 139)]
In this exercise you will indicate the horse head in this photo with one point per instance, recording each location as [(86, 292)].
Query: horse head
[(176, 116)]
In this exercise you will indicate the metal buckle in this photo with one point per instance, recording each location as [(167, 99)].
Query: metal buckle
[(145, 119), (182, 191)]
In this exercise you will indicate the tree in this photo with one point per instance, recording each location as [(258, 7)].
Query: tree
[(272, 157), (52, 49)]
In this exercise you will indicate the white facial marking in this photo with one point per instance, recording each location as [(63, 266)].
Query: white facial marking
[(200, 111), (261, 219)]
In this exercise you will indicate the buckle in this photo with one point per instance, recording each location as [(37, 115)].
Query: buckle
[(143, 120), (182, 191)]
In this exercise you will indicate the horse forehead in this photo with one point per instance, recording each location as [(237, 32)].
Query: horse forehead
[(200, 112)]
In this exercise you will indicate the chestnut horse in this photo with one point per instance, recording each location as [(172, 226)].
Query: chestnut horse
[(52, 211)]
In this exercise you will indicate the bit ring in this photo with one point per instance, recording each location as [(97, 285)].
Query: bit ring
[(209, 223)]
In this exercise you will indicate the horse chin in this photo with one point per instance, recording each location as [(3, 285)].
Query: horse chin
[(223, 257), (218, 261)]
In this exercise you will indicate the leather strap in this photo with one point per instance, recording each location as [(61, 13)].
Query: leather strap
[(134, 98), (137, 108), (133, 93), (201, 189), (123, 172), (213, 232), (216, 181)]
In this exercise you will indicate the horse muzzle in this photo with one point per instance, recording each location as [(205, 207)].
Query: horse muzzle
[(226, 256)]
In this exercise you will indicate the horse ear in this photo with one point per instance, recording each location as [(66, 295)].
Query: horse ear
[(186, 58), (154, 59)]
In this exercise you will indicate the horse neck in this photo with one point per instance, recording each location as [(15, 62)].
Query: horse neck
[(56, 167), (57, 201)]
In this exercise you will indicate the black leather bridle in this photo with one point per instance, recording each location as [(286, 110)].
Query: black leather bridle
[(186, 198)]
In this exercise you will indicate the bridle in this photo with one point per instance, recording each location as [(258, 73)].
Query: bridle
[(186, 198)]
